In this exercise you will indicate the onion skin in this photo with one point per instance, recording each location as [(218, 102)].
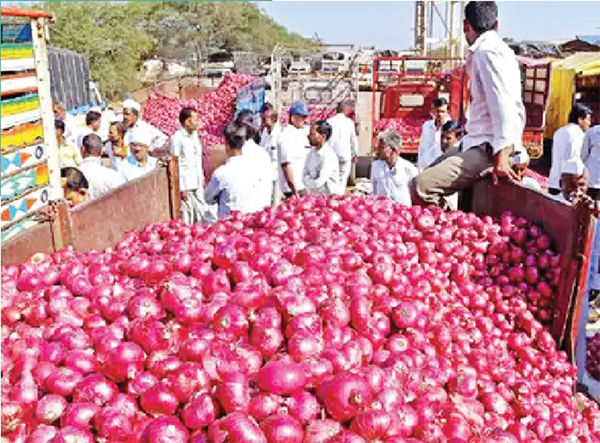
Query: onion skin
[(282, 428), (281, 377)]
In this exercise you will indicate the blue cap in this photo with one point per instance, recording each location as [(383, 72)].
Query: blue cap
[(299, 108)]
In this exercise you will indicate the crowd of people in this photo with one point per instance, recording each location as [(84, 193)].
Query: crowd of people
[(268, 161)]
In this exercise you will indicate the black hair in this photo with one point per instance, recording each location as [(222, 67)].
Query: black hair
[(121, 127), (92, 116), (440, 101), (323, 128), (482, 16), (185, 113), (59, 124), (246, 118), (92, 144), (235, 135), (452, 126), (75, 179), (578, 111), (267, 107)]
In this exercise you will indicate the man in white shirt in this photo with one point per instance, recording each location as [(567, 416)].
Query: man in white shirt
[(567, 142), (131, 116), (573, 180), (93, 121), (233, 185), (321, 169), (259, 159), (100, 178), (185, 145), (139, 162), (344, 141), (391, 174), (292, 149), (590, 154), (269, 137), (497, 115), (430, 144)]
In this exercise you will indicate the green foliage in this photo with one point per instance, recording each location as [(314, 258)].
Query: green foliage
[(118, 36)]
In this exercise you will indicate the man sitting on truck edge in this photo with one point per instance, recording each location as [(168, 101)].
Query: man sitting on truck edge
[(431, 133), (344, 141), (391, 174), (497, 115), (131, 116), (567, 142)]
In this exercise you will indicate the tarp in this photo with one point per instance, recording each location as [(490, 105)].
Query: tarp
[(590, 69), (563, 87)]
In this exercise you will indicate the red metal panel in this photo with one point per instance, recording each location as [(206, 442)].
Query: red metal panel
[(103, 222), (566, 226), (19, 248), (13, 11)]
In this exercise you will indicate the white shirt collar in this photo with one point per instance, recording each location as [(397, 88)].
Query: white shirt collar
[(488, 35), (97, 160)]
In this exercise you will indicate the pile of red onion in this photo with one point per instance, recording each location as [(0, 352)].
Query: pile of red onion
[(324, 320), (409, 128), (593, 356)]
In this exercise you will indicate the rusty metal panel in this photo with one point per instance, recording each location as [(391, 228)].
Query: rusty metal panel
[(563, 224), (22, 246), (102, 222)]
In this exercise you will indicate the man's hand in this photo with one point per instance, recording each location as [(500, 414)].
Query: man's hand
[(184, 195), (502, 167)]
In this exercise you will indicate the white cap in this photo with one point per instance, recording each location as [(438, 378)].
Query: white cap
[(140, 136), (573, 166), (520, 157), (131, 104)]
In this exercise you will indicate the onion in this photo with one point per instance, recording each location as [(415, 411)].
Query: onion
[(281, 377), (282, 428), (345, 395), (50, 408), (166, 429)]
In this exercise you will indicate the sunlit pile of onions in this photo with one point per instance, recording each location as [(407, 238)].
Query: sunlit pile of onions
[(325, 320), (593, 356), (409, 128)]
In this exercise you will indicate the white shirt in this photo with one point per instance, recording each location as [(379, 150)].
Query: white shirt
[(590, 154), (268, 141), (158, 138), (131, 169), (321, 174), (531, 183), (80, 134), (393, 183), (100, 178), (343, 138), (292, 148), (430, 144), (496, 114), (188, 149), (233, 186), (566, 144), (260, 163)]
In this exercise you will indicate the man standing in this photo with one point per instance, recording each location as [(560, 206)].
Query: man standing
[(590, 154), (131, 117), (185, 144), (497, 116), (344, 141), (431, 134), (321, 174), (292, 149), (391, 174), (100, 178), (269, 136), (567, 142)]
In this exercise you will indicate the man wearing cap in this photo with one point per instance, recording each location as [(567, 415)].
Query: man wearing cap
[(292, 150), (344, 141), (520, 162), (131, 116), (139, 162), (100, 178), (573, 180)]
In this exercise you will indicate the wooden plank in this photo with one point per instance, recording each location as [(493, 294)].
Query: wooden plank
[(18, 84), (23, 206), (15, 11), (37, 238), (24, 181), (18, 64), (25, 117), (22, 158)]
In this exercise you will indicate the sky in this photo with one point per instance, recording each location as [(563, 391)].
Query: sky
[(389, 24)]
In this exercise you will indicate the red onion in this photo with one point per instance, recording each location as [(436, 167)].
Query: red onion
[(281, 377), (282, 428)]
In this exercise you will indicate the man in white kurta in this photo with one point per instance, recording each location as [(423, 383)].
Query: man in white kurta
[(139, 162), (567, 143), (344, 141), (100, 178), (269, 137), (391, 174), (430, 146), (292, 150), (185, 145), (590, 154), (131, 116), (321, 169)]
